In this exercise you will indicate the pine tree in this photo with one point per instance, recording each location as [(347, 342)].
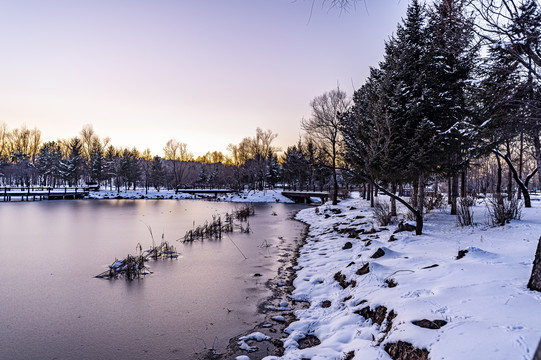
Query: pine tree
[(48, 162), (97, 163), (70, 168), (450, 63), (295, 168), (273, 170), (157, 173)]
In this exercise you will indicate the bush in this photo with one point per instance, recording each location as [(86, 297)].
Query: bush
[(502, 210), (433, 202), (464, 214), (343, 193), (382, 212)]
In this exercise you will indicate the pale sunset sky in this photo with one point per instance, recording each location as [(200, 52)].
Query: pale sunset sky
[(204, 72)]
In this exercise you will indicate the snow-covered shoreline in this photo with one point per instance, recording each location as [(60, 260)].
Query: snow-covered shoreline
[(264, 196), (482, 298)]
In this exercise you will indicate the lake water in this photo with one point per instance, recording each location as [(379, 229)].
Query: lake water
[(52, 307)]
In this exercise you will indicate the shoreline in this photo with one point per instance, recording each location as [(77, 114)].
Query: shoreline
[(281, 286), (248, 196), (255, 196)]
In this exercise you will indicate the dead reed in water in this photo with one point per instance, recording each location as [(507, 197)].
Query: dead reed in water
[(216, 228), (244, 212), (133, 266)]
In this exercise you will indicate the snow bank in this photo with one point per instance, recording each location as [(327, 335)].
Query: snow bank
[(481, 298), (264, 196)]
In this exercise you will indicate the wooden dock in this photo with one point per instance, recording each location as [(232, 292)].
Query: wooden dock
[(35, 194), (304, 196)]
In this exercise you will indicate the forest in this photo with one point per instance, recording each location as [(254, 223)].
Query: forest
[(88, 159)]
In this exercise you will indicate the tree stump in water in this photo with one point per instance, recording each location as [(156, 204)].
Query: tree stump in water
[(535, 279)]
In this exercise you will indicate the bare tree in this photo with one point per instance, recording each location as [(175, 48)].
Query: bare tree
[(179, 155), (324, 128), (87, 136), (4, 139), (512, 24)]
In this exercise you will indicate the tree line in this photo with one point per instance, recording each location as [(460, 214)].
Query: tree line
[(254, 163)]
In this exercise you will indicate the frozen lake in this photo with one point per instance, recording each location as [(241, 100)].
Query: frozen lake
[(52, 307)]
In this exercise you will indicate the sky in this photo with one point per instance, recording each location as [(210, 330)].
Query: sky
[(206, 73)]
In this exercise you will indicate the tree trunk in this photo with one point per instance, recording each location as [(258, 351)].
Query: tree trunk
[(509, 173), (454, 194), (393, 200), (335, 187), (420, 204), (418, 223), (463, 183), (535, 279), (537, 151), (537, 355), (414, 195), (372, 200), (449, 192), (499, 177), (520, 159), (369, 191)]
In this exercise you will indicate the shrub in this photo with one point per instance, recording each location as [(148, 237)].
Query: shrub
[(464, 214), (433, 202), (502, 210), (382, 212)]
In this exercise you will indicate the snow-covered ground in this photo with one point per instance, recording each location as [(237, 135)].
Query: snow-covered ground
[(482, 297), (264, 196)]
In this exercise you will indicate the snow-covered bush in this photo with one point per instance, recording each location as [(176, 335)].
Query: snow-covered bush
[(502, 210), (434, 202), (382, 212), (464, 215)]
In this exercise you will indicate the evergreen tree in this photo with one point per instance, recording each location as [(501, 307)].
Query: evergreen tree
[(273, 170), (70, 168), (295, 168), (157, 173), (97, 163), (451, 57), (48, 163), (129, 172)]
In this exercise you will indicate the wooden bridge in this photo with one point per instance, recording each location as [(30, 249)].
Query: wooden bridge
[(304, 196), (43, 193)]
